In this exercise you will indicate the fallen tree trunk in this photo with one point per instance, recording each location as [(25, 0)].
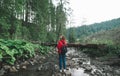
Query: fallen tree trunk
[(77, 45)]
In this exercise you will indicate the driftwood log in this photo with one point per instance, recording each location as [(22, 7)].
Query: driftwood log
[(94, 46)]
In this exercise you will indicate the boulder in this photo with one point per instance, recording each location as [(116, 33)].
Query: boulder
[(13, 69), (24, 67), (2, 71)]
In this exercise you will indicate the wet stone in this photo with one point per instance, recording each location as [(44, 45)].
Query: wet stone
[(68, 72), (24, 67), (56, 67), (97, 72), (31, 62), (2, 71), (25, 63), (80, 62), (87, 67), (117, 72), (13, 69), (39, 68), (6, 67), (18, 67)]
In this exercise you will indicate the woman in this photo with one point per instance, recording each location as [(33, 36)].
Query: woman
[(62, 57)]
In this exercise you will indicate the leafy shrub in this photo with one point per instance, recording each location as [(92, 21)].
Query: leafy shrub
[(108, 50), (10, 50), (43, 49)]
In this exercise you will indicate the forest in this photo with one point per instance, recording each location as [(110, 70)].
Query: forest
[(33, 20), (82, 32), (25, 21)]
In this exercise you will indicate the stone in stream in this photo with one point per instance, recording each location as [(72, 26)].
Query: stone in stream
[(43, 57), (25, 63), (97, 72), (24, 67), (117, 72), (18, 67), (31, 62), (39, 68), (2, 71), (107, 69), (68, 72), (56, 67), (13, 69), (82, 59), (58, 74), (87, 67), (6, 67), (80, 62)]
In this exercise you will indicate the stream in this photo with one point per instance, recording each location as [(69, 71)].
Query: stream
[(78, 64)]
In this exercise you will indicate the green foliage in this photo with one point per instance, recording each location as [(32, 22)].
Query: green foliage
[(32, 19), (18, 32), (10, 50), (106, 37), (4, 26), (72, 36), (108, 50), (42, 49), (100, 41), (88, 30)]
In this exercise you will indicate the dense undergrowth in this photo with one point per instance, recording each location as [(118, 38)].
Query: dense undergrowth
[(12, 50), (107, 50), (110, 38)]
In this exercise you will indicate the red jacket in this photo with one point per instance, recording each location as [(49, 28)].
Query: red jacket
[(60, 44)]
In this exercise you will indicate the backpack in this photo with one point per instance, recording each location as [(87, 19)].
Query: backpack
[(64, 49)]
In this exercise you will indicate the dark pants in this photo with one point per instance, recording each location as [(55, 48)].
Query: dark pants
[(62, 61)]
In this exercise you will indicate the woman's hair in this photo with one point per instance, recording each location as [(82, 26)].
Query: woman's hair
[(62, 37)]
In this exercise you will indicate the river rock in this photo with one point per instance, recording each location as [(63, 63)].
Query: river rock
[(13, 69), (56, 67), (24, 67), (117, 72), (18, 67), (58, 74), (68, 58), (31, 62), (97, 72), (82, 59), (37, 57), (107, 69), (80, 62), (43, 57), (68, 72), (25, 63), (2, 71), (74, 59), (76, 55), (50, 52), (39, 68), (6, 67), (87, 67)]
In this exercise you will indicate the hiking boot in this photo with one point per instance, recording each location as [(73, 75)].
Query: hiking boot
[(60, 70), (64, 70)]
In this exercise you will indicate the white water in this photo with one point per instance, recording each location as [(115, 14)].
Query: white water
[(78, 72), (75, 71)]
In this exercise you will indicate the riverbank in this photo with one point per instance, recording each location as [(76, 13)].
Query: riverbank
[(78, 64)]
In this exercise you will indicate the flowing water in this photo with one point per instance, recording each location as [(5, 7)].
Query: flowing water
[(78, 72)]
